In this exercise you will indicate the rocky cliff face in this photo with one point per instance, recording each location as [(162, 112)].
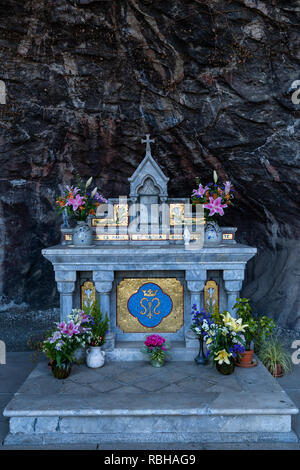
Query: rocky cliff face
[(210, 80)]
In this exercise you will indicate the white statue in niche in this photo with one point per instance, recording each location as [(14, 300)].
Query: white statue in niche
[(2, 352), (2, 92)]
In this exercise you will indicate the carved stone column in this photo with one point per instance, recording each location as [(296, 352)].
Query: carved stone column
[(195, 284), (65, 286), (233, 284), (103, 283)]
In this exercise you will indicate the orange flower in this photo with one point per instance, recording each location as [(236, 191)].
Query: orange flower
[(97, 204), (60, 202), (81, 208), (207, 195), (214, 196), (92, 212), (219, 190), (227, 196)]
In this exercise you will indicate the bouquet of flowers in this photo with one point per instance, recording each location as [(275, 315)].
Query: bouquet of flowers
[(225, 341), (99, 326), (201, 321), (215, 198), (79, 202), (84, 323), (156, 347), (60, 346)]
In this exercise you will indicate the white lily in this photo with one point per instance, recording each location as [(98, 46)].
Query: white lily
[(88, 181), (215, 176), (94, 192)]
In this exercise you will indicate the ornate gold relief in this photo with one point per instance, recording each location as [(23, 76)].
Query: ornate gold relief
[(119, 219), (211, 296), (176, 214), (146, 301), (87, 294)]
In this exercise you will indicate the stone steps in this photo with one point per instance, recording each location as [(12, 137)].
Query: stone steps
[(130, 351), (134, 402)]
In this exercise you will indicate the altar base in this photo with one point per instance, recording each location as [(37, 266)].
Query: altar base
[(135, 402)]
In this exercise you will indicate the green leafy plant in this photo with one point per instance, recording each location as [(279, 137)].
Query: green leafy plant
[(36, 343), (272, 353), (244, 311), (99, 325), (265, 330)]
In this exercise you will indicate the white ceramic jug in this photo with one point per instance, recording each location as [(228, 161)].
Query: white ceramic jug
[(95, 357)]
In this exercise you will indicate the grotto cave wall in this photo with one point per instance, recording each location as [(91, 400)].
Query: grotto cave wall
[(210, 80)]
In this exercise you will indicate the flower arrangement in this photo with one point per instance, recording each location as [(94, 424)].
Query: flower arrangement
[(99, 326), (201, 320), (215, 198), (79, 202), (84, 322), (59, 347), (225, 341), (156, 347)]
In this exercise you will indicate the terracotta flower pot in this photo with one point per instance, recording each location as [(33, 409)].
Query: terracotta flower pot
[(278, 372), (246, 358)]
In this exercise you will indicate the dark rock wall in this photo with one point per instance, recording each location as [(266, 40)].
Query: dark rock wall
[(210, 80)]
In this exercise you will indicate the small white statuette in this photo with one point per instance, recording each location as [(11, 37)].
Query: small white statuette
[(186, 236)]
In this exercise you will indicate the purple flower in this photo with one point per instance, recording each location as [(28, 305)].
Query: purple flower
[(200, 191), (227, 187)]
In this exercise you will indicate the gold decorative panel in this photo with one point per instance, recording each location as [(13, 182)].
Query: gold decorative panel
[(149, 305), (176, 214), (87, 294), (119, 217), (111, 236), (211, 296)]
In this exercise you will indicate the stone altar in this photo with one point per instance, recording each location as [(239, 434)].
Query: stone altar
[(148, 265)]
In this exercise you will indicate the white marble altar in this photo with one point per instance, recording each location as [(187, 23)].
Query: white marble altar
[(124, 248)]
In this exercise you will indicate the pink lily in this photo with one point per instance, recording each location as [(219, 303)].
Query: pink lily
[(200, 191), (76, 202), (215, 206)]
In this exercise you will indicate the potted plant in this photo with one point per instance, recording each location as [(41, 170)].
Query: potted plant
[(95, 357), (80, 204), (265, 329), (258, 331), (156, 347), (275, 357), (244, 311), (84, 322), (59, 347), (201, 320), (215, 198), (225, 342)]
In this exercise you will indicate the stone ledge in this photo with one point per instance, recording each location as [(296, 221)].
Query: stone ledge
[(204, 437)]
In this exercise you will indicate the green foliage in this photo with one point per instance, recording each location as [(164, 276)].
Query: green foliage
[(36, 344), (258, 329), (265, 329), (273, 352), (99, 325), (244, 311), (216, 316)]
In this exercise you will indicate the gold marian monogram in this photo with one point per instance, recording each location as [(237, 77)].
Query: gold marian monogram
[(149, 303)]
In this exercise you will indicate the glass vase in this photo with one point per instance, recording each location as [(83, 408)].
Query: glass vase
[(156, 363), (61, 372), (225, 369), (201, 359)]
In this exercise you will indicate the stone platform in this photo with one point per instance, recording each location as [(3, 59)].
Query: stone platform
[(134, 402)]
